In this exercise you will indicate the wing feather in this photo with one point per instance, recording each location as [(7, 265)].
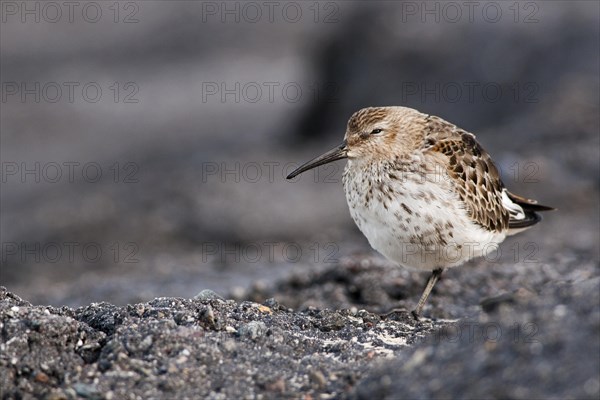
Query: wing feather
[(476, 178)]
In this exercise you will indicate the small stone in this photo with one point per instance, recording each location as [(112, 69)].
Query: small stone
[(264, 309), (57, 394), (208, 294), (181, 360), (229, 345), (139, 309), (230, 329), (253, 329), (331, 322), (272, 303), (87, 391), (276, 386), (318, 378), (42, 377), (208, 315), (172, 369), (146, 343)]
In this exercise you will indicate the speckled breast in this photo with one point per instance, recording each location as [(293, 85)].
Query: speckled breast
[(410, 214)]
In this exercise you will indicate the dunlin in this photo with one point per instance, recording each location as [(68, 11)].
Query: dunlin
[(423, 191)]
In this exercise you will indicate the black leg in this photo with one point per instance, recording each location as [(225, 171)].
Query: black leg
[(435, 275)]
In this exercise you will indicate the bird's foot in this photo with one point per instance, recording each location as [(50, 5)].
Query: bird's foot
[(415, 315)]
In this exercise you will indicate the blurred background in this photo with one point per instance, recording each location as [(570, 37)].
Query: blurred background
[(145, 144)]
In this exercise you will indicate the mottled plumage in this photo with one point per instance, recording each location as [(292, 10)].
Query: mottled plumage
[(423, 191)]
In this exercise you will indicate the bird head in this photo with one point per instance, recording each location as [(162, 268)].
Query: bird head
[(371, 132)]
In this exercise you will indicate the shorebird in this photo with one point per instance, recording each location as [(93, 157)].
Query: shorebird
[(423, 191)]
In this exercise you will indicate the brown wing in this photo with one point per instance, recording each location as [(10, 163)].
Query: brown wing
[(476, 178)]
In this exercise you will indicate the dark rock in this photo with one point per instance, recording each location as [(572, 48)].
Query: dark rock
[(101, 316), (536, 342), (257, 350)]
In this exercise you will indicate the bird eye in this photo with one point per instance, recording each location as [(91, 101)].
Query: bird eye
[(376, 131)]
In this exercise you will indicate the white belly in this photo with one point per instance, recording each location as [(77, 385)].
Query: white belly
[(414, 219)]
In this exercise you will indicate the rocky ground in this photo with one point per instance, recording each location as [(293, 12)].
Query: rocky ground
[(540, 341), (126, 324)]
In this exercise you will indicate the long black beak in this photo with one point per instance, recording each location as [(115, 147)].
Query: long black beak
[(337, 153)]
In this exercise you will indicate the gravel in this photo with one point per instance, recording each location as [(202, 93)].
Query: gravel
[(537, 342)]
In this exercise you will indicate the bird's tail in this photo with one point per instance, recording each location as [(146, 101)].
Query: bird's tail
[(523, 211)]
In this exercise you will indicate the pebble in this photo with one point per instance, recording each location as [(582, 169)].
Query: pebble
[(208, 294), (253, 329), (87, 391)]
